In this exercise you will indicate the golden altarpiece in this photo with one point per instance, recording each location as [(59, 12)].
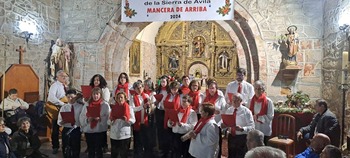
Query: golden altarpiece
[(198, 49)]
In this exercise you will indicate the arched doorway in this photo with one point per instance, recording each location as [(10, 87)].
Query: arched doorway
[(198, 71)]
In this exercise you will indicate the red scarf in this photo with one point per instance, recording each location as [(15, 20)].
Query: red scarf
[(209, 98), (137, 124), (186, 112), (163, 88), (200, 124), (262, 99), (148, 92), (119, 111), (195, 99), (185, 90), (125, 87), (96, 104), (175, 104)]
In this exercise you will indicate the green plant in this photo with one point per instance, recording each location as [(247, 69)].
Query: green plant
[(298, 100)]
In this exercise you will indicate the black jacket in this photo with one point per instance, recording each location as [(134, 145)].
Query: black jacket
[(26, 144), (4, 139), (327, 124)]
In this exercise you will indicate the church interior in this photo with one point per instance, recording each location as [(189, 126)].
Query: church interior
[(95, 41)]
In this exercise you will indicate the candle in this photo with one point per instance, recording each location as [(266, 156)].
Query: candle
[(345, 60), (345, 63)]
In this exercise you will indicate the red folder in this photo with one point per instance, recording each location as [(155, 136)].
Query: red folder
[(132, 92), (93, 111), (228, 119), (86, 90), (158, 97), (172, 115), (169, 106), (230, 97), (68, 117)]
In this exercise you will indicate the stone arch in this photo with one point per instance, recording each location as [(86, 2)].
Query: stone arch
[(117, 38)]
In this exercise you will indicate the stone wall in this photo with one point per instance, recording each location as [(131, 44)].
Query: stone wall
[(334, 42), (45, 15)]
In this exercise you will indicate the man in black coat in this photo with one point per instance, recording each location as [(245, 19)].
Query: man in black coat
[(324, 122)]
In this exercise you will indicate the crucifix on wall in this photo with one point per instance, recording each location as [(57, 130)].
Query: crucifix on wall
[(21, 50)]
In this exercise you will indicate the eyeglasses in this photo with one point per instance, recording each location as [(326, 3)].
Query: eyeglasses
[(64, 76), (123, 77), (2, 125)]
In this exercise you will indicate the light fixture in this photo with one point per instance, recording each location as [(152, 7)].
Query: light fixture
[(27, 28)]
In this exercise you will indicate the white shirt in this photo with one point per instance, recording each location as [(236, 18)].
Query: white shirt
[(67, 108), (102, 123), (247, 90), (121, 129), (220, 105), (160, 105), (56, 92), (106, 95), (139, 108), (10, 104), (206, 143), (266, 126), (244, 118), (185, 127)]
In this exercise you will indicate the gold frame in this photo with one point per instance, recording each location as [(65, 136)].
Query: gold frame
[(135, 58)]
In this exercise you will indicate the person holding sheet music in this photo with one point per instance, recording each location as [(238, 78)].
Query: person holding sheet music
[(197, 96), (140, 102), (262, 109), (69, 118), (99, 81), (93, 120), (186, 119), (120, 120), (123, 86), (172, 101), (205, 134), (56, 99), (162, 92), (239, 122), (216, 97), (149, 89)]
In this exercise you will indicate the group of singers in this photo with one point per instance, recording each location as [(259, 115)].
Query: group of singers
[(177, 119)]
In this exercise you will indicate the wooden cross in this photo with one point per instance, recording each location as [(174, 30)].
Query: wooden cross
[(21, 50)]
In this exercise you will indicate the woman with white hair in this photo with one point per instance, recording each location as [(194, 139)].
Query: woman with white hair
[(262, 109)]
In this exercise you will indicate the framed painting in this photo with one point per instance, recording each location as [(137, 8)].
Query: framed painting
[(135, 58)]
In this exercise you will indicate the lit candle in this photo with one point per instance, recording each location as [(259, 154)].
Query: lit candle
[(345, 63)]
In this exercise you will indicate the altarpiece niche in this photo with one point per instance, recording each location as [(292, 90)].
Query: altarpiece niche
[(199, 49)]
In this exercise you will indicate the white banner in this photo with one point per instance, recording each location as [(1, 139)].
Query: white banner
[(176, 10)]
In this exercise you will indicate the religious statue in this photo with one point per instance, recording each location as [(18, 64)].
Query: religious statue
[(290, 42), (223, 60), (61, 58), (57, 50), (198, 47), (173, 61)]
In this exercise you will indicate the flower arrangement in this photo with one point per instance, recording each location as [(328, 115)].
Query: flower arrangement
[(296, 103)]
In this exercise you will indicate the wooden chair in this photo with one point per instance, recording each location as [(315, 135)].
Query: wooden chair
[(285, 134)]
